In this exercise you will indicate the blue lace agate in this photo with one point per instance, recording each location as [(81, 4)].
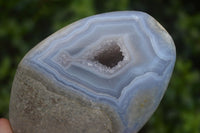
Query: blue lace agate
[(122, 59)]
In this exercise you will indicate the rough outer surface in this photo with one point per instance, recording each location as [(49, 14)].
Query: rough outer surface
[(103, 74), (38, 110)]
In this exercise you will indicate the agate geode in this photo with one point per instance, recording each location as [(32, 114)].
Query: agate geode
[(103, 74)]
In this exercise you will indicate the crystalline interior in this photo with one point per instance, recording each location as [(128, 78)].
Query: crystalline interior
[(110, 56)]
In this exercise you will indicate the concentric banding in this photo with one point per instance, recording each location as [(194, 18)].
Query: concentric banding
[(148, 60)]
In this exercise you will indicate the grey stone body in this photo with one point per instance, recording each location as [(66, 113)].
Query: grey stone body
[(103, 74)]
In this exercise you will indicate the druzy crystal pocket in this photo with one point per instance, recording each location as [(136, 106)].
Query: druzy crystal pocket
[(105, 73)]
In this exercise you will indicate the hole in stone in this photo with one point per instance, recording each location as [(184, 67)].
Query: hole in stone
[(110, 56)]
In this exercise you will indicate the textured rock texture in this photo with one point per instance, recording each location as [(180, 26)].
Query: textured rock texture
[(103, 74)]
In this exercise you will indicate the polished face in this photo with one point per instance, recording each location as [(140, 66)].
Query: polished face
[(122, 59)]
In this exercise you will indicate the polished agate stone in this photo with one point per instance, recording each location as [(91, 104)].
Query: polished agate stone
[(103, 74)]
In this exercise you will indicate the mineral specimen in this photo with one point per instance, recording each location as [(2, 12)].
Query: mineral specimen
[(103, 74)]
